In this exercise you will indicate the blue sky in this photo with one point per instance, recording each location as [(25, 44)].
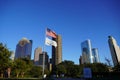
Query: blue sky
[(74, 20)]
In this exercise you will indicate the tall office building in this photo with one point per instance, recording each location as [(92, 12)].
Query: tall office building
[(23, 48), (57, 52), (50, 65), (115, 50), (86, 52), (12, 56), (37, 52), (95, 55), (46, 59), (80, 60)]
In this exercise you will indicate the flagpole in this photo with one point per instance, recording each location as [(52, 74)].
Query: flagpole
[(51, 34), (44, 55)]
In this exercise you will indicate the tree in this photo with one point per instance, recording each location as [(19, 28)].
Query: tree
[(27, 67), (36, 72), (75, 71), (47, 72), (21, 66), (97, 67), (65, 67), (116, 68), (61, 69), (18, 66), (4, 58)]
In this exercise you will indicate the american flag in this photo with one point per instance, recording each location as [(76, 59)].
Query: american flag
[(51, 33)]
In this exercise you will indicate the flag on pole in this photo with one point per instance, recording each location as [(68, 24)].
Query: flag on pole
[(51, 33), (50, 42)]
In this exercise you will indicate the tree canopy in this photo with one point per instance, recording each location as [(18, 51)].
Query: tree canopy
[(4, 58)]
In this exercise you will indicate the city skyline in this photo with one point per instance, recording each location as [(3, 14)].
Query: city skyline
[(75, 21)]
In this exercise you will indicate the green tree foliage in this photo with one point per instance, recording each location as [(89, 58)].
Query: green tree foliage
[(69, 66), (116, 68), (97, 67), (71, 70), (4, 58), (36, 72), (27, 67), (75, 71), (18, 67), (61, 69), (21, 66), (47, 72)]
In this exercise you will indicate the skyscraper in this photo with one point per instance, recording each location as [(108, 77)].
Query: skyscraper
[(12, 55), (23, 48), (115, 50), (87, 52), (57, 52), (38, 51), (46, 59), (81, 60), (95, 55)]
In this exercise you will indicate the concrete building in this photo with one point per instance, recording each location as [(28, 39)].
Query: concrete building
[(37, 52), (50, 65), (23, 48), (115, 50), (57, 52), (46, 58)]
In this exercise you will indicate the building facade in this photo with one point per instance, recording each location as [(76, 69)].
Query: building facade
[(37, 52), (115, 50), (12, 55), (86, 52), (46, 58), (57, 52), (95, 55), (23, 48), (80, 60)]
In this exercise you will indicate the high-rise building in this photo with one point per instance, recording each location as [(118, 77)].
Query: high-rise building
[(115, 50), (80, 60), (87, 52), (24, 48), (95, 55), (50, 65), (46, 59), (12, 55), (57, 52), (37, 52)]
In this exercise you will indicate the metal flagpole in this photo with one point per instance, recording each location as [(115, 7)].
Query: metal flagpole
[(44, 54)]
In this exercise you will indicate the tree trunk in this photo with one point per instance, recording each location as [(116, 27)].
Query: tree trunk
[(17, 75), (9, 71), (22, 74), (1, 75)]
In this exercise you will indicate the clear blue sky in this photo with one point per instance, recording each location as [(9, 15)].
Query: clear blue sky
[(74, 20)]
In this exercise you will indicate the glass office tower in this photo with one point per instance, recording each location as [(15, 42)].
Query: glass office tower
[(24, 48), (87, 51), (95, 55)]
